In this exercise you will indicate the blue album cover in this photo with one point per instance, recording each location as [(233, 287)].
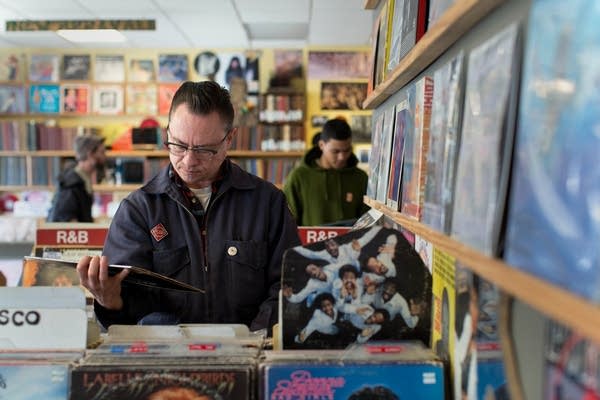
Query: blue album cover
[(23, 381), (172, 67), (554, 212), (44, 99), (303, 381), (491, 379)]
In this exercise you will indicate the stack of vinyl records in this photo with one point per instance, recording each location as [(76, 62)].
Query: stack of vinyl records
[(159, 368), (374, 370)]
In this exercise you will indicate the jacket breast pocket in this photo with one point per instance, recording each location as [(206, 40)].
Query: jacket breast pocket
[(246, 261)]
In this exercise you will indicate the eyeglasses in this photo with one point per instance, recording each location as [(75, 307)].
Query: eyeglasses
[(201, 152)]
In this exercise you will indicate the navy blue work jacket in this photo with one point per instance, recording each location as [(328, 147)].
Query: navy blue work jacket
[(234, 251)]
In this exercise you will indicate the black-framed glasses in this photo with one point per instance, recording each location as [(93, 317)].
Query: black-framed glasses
[(202, 152)]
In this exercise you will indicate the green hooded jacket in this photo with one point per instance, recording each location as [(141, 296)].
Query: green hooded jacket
[(320, 196)]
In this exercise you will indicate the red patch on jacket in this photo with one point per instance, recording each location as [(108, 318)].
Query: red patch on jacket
[(159, 232)]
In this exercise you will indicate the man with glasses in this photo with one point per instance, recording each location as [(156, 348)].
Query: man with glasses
[(201, 220)]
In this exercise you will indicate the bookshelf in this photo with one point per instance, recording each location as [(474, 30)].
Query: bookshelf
[(117, 91), (57, 157)]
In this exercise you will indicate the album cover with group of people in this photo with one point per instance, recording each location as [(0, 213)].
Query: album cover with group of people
[(367, 284)]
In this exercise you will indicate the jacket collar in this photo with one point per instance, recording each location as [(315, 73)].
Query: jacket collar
[(232, 176)]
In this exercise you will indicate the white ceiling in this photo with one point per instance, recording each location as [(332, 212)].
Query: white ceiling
[(201, 23)]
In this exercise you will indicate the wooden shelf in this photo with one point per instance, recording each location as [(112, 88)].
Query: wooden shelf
[(453, 23), (557, 303)]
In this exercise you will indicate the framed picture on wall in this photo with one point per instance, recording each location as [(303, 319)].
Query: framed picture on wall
[(361, 128), (44, 99), (12, 99), (43, 68), (166, 91), (11, 67), (141, 99), (343, 95), (76, 67), (338, 65), (172, 67), (141, 70), (108, 99), (75, 99), (109, 68)]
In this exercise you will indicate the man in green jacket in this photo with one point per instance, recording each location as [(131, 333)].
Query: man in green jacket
[(328, 187)]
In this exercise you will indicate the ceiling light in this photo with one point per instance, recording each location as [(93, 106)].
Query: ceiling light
[(92, 35)]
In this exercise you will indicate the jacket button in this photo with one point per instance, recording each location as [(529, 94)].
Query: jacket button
[(232, 251)]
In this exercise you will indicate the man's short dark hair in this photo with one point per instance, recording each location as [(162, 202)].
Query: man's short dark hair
[(337, 129), (203, 98), (85, 144)]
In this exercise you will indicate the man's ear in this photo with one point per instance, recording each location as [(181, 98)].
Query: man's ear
[(321, 144), (232, 134)]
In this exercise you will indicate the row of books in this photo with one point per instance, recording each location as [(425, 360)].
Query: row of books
[(23, 135), (281, 107), (284, 137), (86, 99), (123, 170), (274, 170)]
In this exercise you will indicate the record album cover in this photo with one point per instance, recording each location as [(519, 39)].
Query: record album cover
[(416, 144), (367, 284), (553, 227), (486, 142), (153, 380), (75, 67), (444, 139), (12, 99)]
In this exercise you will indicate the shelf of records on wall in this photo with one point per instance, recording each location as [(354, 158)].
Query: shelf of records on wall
[(507, 190)]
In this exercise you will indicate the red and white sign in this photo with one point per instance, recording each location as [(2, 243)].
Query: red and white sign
[(312, 234), (92, 237)]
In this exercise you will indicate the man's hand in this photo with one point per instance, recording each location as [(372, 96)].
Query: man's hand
[(93, 275)]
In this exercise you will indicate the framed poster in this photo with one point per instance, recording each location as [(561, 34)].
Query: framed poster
[(44, 99), (12, 99), (141, 99), (76, 67), (108, 99), (339, 64), (165, 95), (43, 68), (343, 95), (75, 98), (141, 70), (109, 68), (11, 67), (172, 68)]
